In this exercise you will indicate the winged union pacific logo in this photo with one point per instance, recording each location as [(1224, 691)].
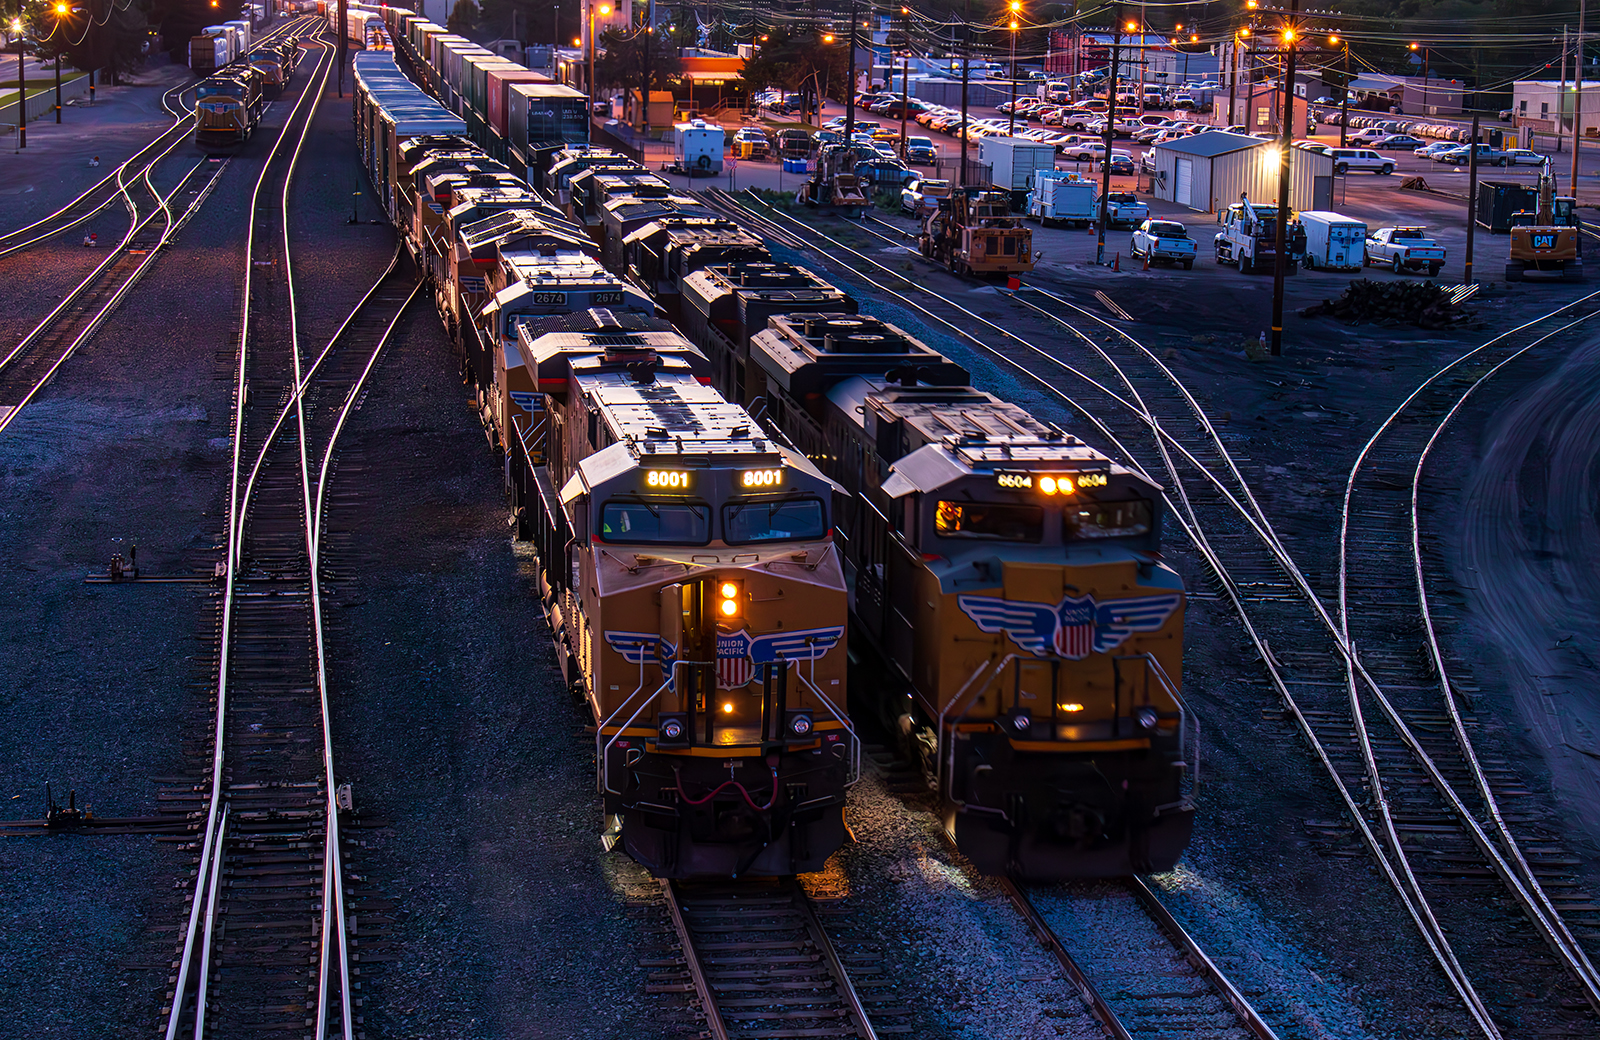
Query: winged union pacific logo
[(737, 652), (1073, 628)]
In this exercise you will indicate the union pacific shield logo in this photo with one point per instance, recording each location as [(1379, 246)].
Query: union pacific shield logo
[(734, 667), (1073, 628)]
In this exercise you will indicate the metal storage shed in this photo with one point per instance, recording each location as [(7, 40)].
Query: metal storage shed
[(1208, 170)]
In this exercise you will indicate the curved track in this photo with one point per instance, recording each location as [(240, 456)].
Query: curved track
[(265, 946), (1139, 406), (124, 180)]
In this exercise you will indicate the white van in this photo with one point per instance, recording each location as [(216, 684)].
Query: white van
[(1361, 159), (1334, 241)]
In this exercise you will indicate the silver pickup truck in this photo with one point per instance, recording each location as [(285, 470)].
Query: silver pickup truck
[(1404, 249)]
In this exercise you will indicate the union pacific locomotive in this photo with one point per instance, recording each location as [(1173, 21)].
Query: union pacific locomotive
[(715, 503)]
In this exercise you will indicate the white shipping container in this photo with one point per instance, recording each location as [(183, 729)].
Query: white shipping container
[(1333, 240), (700, 146), (244, 34), (1013, 161)]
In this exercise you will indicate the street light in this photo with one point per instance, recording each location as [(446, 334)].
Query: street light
[(1427, 52), (1344, 100), (1011, 117), (61, 12), (605, 9), (22, 87)]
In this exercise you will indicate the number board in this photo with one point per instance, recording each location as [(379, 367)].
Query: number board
[(602, 299), (550, 299)]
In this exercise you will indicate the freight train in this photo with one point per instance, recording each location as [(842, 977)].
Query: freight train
[(718, 502)]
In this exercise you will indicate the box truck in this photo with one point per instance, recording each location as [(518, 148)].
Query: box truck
[(1012, 163)]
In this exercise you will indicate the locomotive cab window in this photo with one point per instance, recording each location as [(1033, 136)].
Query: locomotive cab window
[(774, 520), (1001, 521), (1107, 519), (637, 521)]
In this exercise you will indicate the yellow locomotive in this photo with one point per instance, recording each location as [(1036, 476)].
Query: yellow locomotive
[(697, 598), (1011, 577), (227, 106)]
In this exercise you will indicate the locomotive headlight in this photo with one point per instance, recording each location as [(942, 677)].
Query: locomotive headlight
[(729, 598), (1047, 485), (1147, 717), (727, 708)]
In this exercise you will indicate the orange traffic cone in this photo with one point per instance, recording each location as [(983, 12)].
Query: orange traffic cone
[(1147, 261), (1116, 262)]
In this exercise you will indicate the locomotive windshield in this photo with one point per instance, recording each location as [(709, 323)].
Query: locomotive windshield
[(1010, 523), (658, 523), (774, 520), (1107, 519)]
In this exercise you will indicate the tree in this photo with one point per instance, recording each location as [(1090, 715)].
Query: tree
[(463, 16), (93, 34), (798, 59), (622, 64)]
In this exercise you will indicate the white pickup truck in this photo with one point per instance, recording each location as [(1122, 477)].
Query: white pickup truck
[(1404, 248), (1124, 208), (1164, 240)]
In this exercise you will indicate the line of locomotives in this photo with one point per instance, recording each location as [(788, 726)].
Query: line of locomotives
[(721, 463), (229, 104)]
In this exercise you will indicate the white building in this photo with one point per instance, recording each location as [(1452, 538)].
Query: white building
[(1537, 103), (1209, 171)]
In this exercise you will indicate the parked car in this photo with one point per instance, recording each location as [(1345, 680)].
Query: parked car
[(1428, 151), (1361, 159), (885, 174), (1123, 207), (922, 196), (1163, 240), (1121, 164), (920, 150), (1526, 157), (1084, 149), (1325, 101), (1397, 141), (1404, 249)]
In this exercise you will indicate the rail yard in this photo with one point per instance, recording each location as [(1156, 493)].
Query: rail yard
[(467, 582)]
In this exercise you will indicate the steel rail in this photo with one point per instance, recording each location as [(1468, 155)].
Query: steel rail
[(1421, 914), (691, 959), (236, 525), (98, 318), (1517, 875), (1099, 1009), (180, 117)]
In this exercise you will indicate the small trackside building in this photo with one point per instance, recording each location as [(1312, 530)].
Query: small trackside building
[(1210, 170)]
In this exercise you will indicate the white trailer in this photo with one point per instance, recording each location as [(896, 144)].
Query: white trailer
[(699, 145), (1333, 241), (1059, 197), (1012, 163)]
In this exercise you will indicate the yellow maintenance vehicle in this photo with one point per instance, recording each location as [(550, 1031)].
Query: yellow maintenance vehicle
[(1548, 239), (977, 234), (835, 183)]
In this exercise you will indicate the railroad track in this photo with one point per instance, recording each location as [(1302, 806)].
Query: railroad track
[(1146, 415), (760, 964), (124, 180), (266, 947), (1453, 800), (1137, 970), (30, 364)]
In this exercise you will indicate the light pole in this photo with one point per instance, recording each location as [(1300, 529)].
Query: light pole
[(61, 12), (1291, 44), (850, 91), (22, 82), (1344, 99), (1011, 116), (1426, 54), (605, 9), (966, 71), (1233, 79), (1110, 135)]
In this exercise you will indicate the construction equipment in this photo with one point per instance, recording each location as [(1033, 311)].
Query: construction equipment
[(834, 183), (1549, 238), (977, 234)]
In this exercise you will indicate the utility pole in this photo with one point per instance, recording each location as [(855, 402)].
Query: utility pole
[(1233, 78), (1344, 102), (850, 92), (1577, 97), (22, 84), (966, 71), (649, 31), (1291, 42), (344, 36), (1110, 132), (1472, 197), (1011, 115)]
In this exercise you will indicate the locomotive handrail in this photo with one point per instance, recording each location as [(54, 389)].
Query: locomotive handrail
[(854, 773), (601, 766), (1188, 730), (961, 694)]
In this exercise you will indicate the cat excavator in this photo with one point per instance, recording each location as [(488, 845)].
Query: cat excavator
[(1547, 239)]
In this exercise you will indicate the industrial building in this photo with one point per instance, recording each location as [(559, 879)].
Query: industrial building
[(1211, 170)]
